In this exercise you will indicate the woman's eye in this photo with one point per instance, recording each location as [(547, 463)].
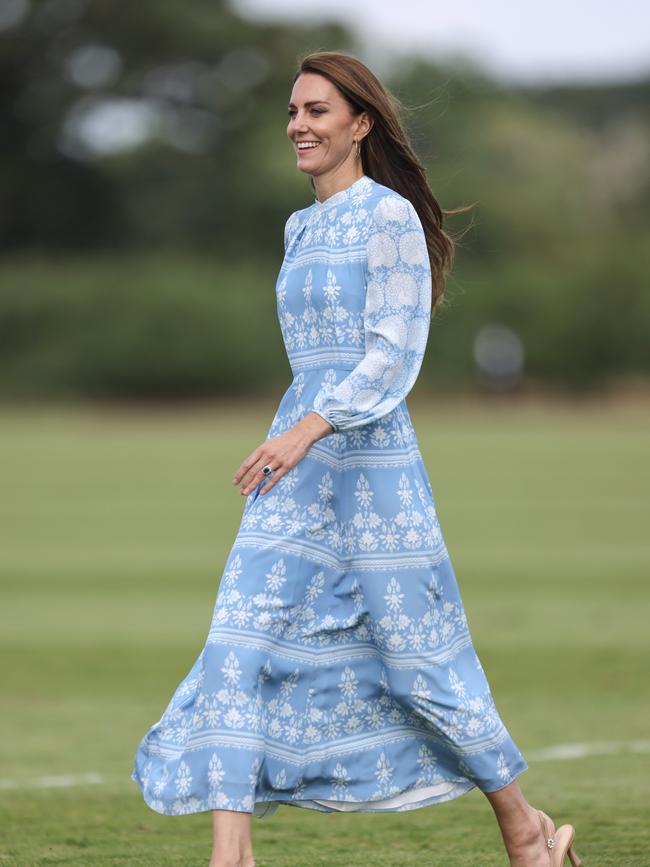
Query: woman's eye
[(291, 112)]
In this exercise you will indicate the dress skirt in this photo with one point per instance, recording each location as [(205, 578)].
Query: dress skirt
[(338, 672)]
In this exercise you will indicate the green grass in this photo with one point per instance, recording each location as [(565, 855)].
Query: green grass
[(115, 528)]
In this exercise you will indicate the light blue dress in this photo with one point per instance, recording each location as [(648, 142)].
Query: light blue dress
[(338, 672)]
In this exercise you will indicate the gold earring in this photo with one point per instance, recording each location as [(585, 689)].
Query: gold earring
[(358, 150)]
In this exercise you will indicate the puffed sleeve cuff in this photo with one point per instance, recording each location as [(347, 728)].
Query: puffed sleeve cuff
[(327, 416)]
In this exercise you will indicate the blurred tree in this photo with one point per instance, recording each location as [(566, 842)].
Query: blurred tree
[(158, 136), (162, 123)]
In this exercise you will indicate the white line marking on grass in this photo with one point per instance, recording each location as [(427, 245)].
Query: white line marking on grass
[(60, 782), (561, 752), (581, 750)]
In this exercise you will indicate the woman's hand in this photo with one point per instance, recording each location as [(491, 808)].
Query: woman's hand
[(281, 453)]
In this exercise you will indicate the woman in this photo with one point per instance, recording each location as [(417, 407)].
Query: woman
[(339, 672)]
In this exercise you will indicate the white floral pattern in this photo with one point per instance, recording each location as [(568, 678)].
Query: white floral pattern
[(338, 671), (331, 324), (412, 526)]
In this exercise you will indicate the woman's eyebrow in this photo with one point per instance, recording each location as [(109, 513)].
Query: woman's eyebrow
[(311, 102)]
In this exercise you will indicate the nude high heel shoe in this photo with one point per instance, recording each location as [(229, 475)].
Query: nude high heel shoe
[(559, 842)]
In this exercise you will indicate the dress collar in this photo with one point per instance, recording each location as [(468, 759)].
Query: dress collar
[(341, 195)]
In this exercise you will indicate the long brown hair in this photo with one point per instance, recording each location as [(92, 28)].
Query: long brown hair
[(386, 154)]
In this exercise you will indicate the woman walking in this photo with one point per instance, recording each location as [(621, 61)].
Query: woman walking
[(338, 672)]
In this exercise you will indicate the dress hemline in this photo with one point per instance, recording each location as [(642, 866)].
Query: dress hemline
[(408, 799)]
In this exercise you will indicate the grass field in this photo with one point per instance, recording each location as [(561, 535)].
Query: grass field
[(115, 528)]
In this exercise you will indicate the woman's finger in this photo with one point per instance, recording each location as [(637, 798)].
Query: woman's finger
[(284, 465), (274, 479), (244, 467), (256, 474), (279, 453)]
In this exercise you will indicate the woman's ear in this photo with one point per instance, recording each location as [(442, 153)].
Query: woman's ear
[(366, 122)]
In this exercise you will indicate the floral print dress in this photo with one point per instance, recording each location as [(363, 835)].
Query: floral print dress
[(338, 671)]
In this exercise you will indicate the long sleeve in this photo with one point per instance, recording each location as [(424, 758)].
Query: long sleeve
[(397, 314)]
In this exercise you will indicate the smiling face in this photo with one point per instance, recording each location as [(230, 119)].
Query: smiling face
[(322, 126)]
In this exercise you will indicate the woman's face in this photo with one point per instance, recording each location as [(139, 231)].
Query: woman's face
[(320, 117)]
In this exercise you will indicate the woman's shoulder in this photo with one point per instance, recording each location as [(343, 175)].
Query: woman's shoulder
[(387, 206), (294, 222)]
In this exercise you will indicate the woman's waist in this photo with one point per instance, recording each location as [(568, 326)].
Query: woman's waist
[(337, 359)]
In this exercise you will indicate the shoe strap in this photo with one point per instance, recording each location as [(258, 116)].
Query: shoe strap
[(550, 841)]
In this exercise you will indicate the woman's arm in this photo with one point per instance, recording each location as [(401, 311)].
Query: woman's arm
[(397, 316)]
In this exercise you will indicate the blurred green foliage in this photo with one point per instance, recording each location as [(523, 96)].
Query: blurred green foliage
[(150, 269)]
